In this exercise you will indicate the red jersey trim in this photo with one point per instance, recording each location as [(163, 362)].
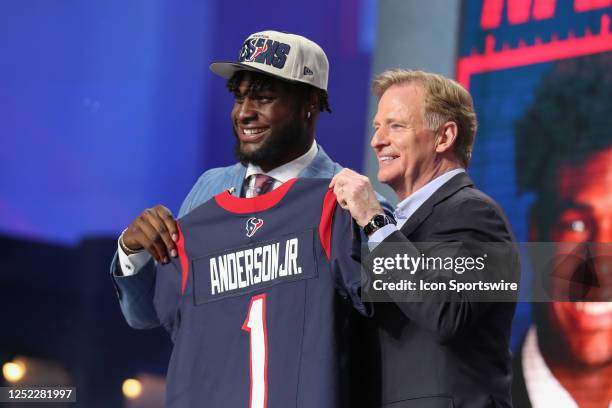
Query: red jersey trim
[(250, 205), (180, 247), (327, 217)]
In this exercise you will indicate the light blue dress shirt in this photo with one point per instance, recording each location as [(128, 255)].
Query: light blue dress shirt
[(409, 205)]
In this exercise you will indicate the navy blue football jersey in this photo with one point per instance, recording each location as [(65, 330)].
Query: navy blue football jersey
[(261, 299)]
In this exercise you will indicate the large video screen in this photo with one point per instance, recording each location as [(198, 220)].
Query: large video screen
[(540, 72)]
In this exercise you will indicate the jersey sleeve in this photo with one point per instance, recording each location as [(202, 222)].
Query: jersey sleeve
[(168, 295), (343, 247)]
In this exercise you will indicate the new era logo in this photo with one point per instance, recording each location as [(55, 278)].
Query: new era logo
[(307, 71), (252, 225)]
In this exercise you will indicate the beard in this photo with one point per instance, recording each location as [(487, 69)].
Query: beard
[(275, 148)]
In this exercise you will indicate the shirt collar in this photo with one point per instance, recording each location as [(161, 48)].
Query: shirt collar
[(543, 388), (410, 204), (288, 170)]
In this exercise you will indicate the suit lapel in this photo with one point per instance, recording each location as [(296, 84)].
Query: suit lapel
[(321, 166), (449, 188)]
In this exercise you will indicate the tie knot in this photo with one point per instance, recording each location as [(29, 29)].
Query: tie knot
[(263, 184)]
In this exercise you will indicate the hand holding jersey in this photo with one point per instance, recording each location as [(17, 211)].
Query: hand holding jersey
[(153, 230), (356, 194)]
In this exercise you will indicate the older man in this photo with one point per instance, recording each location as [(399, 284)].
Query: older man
[(449, 351)]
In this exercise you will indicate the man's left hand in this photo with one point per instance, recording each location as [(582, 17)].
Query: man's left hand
[(354, 193)]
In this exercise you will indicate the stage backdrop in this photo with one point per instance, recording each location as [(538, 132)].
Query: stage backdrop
[(108, 107)]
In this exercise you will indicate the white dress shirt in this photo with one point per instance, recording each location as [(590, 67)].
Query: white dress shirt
[(409, 205), (130, 264), (543, 388)]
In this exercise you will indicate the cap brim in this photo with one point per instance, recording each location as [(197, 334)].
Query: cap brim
[(227, 69)]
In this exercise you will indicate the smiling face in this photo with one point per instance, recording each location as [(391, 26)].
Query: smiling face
[(585, 194), (268, 121), (404, 147)]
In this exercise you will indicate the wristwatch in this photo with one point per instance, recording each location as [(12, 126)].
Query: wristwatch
[(376, 223)]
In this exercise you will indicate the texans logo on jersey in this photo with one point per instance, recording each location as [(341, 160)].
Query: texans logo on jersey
[(252, 225)]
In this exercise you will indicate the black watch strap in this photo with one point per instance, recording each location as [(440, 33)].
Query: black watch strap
[(376, 223)]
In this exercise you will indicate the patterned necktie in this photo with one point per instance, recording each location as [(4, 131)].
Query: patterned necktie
[(263, 184)]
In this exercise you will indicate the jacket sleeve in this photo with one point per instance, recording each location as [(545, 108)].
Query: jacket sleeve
[(135, 293), (167, 297)]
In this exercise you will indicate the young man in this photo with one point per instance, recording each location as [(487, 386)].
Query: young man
[(257, 290), (280, 86)]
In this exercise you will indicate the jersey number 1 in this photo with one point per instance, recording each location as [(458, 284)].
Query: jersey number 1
[(255, 325)]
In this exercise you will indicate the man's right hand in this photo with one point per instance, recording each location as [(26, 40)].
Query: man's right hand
[(154, 230)]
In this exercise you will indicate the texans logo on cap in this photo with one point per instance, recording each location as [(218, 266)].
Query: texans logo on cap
[(252, 225), (264, 51)]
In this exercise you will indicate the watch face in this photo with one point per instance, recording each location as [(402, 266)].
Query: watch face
[(380, 220)]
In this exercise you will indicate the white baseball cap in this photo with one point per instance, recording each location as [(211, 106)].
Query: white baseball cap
[(287, 56)]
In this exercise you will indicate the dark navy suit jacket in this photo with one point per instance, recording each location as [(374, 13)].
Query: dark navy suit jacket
[(435, 354)]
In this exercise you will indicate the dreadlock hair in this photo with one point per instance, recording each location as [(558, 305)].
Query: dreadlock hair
[(262, 81)]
